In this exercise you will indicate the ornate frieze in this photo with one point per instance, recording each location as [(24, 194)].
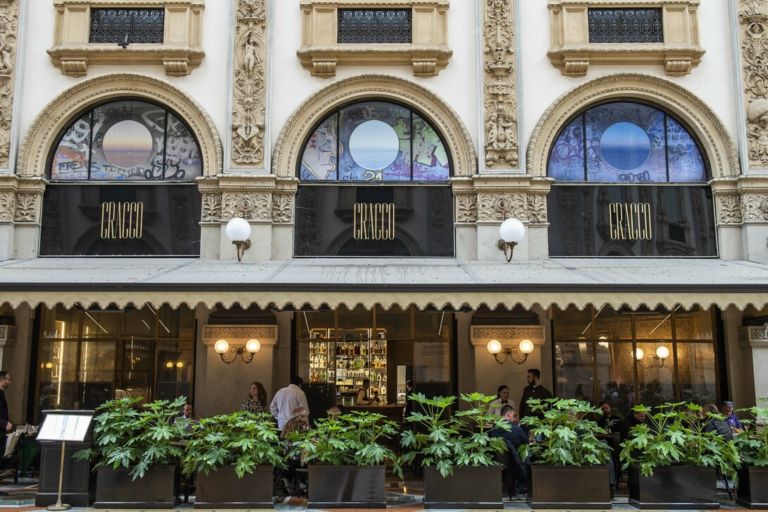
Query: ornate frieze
[(240, 334), (282, 208), (728, 209), (211, 208), (755, 207), (9, 18), (501, 145), (498, 207), (466, 208), (754, 336), (537, 208), (249, 84), (7, 206), (754, 47), (251, 206), (480, 335)]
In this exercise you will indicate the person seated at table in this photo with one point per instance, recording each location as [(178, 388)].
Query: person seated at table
[(712, 423), (187, 415), (502, 399), (730, 417), (632, 419), (299, 422), (362, 397), (516, 471)]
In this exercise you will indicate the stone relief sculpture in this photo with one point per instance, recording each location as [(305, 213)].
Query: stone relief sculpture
[(501, 146), (754, 19), (8, 28), (249, 88)]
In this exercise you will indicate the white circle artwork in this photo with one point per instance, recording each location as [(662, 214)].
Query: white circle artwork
[(127, 144), (374, 145)]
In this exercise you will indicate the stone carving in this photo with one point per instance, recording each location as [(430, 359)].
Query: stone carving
[(7, 206), (537, 208), (755, 336), (501, 146), (282, 208), (253, 206), (466, 209), (729, 209), (754, 47), (235, 333), (26, 207), (755, 208), (8, 28), (499, 207), (531, 332), (211, 208), (249, 80)]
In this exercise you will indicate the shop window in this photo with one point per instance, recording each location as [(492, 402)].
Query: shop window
[(648, 193), (87, 357), (122, 182), (159, 32), (367, 157), (632, 358), (392, 32), (610, 32)]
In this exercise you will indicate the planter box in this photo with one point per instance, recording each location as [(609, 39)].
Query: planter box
[(346, 487), (753, 487), (570, 487), (223, 489), (115, 489), (466, 488), (678, 487)]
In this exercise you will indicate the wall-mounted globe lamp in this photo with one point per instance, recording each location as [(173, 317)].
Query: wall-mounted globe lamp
[(239, 232), (518, 354), (511, 232), (228, 354)]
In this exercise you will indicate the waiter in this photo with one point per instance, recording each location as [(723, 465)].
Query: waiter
[(5, 424)]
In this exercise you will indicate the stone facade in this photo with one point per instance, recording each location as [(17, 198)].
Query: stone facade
[(753, 15), (9, 20)]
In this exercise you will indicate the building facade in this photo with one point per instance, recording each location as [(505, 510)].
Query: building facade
[(373, 148)]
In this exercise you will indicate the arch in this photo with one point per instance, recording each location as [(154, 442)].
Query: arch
[(57, 115), (290, 142), (703, 122)]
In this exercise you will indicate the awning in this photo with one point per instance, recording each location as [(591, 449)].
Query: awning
[(386, 282)]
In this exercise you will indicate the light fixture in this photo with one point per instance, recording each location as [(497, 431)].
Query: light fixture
[(239, 231), (223, 347), (518, 354), (656, 360), (511, 232)]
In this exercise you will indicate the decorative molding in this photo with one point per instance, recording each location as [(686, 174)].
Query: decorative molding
[(54, 117), (755, 208), (9, 24), (251, 206), (28, 207), (249, 84), (754, 47), (572, 53), (239, 334), (320, 51), (288, 148), (501, 146), (754, 336), (282, 208), (537, 209), (466, 208), (179, 53), (498, 207), (211, 208), (705, 124), (480, 335), (728, 209)]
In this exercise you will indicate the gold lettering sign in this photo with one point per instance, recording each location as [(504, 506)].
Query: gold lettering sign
[(122, 221), (630, 221), (373, 221)]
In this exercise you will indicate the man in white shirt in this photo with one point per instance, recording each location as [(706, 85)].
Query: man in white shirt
[(286, 400)]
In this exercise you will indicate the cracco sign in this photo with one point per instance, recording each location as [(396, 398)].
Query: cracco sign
[(122, 220), (373, 221)]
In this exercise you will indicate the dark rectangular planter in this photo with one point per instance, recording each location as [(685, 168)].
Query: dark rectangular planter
[(570, 487), (223, 489), (115, 489), (466, 488), (346, 487), (753, 487), (676, 487)]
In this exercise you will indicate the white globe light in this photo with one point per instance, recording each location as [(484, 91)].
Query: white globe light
[(512, 231), (221, 346), (238, 230), (494, 347), (526, 346), (252, 346), (639, 354), (662, 352)]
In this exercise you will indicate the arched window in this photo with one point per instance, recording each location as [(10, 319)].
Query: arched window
[(122, 183), (374, 182), (630, 180)]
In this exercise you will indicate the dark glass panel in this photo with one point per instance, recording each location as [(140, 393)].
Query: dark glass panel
[(374, 26), (626, 25)]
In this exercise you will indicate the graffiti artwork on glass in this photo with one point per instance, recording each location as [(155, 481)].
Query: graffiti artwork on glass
[(626, 142), (374, 141), (127, 141)]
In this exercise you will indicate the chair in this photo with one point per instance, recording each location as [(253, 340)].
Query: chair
[(10, 459)]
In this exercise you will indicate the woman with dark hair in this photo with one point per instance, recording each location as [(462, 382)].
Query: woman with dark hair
[(257, 399), (502, 399)]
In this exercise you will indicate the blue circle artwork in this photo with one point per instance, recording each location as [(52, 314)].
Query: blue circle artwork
[(625, 146)]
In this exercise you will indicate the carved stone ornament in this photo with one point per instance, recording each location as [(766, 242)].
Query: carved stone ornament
[(8, 29), (211, 208), (755, 207), (251, 206), (537, 208), (501, 146), (249, 80), (239, 334), (482, 334), (754, 46), (499, 207), (754, 336), (466, 208), (729, 209), (282, 208), (7, 206), (27, 207)]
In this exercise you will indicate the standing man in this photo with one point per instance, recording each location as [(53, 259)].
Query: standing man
[(5, 424), (286, 400), (532, 390)]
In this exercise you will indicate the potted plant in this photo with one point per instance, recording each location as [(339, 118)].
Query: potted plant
[(457, 451), (135, 451), (234, 457), (673, 461), (346, 458), (569, 461), (752, 444)]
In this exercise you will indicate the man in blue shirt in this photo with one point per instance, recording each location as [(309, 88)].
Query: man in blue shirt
[(515, 471)]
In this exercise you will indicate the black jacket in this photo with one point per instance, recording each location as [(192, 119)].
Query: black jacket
[(539, 392), (3, 414)]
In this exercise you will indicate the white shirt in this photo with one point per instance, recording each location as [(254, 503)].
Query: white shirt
[(494, 408), (285, 401)]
